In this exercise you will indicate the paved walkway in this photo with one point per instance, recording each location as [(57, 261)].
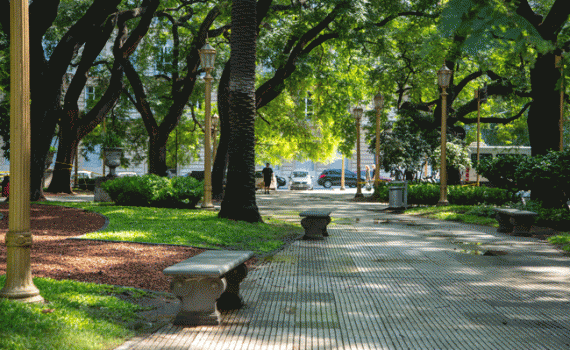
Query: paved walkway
[(387, 281)]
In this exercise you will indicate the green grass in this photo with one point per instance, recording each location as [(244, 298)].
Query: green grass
[(460, 213), (75, 316), (563, 240), (197, 228)]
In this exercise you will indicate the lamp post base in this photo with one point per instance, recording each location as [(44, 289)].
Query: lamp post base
[(207, 206)]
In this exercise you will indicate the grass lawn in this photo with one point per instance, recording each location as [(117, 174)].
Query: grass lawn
[(461, 213), (197, 228), (75, 316), (92, 316)]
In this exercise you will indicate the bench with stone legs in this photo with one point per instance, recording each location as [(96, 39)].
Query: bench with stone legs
[(207, 283), (315, 224), (515, 221)]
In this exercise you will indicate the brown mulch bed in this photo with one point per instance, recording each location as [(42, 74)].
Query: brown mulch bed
[(125, 264)]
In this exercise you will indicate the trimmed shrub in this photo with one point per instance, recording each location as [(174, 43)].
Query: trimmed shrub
[(154, 190), (423, 193), (428, 194)]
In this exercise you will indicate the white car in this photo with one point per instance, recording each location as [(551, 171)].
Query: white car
[(300, 180)]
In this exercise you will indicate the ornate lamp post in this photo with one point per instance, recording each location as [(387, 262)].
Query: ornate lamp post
[(207, 56), (378, 104), (443, 79), (357, 111), (19, 284), (559, 63), (215, 124)]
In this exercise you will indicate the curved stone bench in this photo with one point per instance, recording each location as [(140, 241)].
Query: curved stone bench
[(206, 283), (315, 224), (515, 221)]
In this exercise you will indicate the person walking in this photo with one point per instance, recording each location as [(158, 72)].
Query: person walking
[(6, 186), (267, 177)]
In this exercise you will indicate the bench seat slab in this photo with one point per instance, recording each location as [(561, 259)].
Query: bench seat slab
[(515, 221), (207, 283)]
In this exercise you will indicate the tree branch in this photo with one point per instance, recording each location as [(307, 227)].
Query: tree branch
[(496, 120), (403, 14)]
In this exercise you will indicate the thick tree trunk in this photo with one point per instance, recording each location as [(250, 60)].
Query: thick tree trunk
[(60, 182), (239, 200), (544, 113), (543, 127), (157, 155), (221, 161)]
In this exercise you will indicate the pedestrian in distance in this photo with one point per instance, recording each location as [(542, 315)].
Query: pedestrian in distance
[(267, 176)]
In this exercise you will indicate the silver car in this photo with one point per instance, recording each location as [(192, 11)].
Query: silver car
[(300, 180)]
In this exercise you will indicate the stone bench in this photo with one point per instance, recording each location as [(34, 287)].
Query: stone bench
[(315, 224), (515, 221), (206, 283)]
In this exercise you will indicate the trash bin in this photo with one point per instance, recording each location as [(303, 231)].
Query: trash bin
[(398, 195)]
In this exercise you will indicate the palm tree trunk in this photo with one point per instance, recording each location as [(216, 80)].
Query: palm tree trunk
[(239, 200)]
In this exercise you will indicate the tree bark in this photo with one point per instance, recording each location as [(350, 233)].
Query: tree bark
[(239, 201)]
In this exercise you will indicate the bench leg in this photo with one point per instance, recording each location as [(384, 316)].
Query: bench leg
[(521, 225), (231, 298), (198, 300), (505, 225), (315, 228)]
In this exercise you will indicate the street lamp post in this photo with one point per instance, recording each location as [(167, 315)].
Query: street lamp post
[(379, 104), (207, 56), (443, 79), (19, 285), (215, 124), (357, 111)]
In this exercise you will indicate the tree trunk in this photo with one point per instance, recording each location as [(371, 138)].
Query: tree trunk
[(543, 128), (221, 161), (60, 182), (544, 113), (239, 200), (157, 155)]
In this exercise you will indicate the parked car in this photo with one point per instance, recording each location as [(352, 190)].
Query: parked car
[(300, 180), (127, 173), (85, 180), (332, 177), (281, 181), (260, 184)]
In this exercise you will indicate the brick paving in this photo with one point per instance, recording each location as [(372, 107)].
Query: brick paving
[(388, 281)]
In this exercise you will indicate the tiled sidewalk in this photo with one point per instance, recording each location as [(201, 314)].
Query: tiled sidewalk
[(383, 281)]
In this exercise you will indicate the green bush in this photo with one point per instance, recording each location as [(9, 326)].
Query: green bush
[(381, 191), (428, 194), (472, 195), (423, 193), (154, 190), (501, 171), (555, 218)]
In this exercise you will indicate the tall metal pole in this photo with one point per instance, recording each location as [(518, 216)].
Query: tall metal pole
[(342, 188), (377, 169), (478, 131), (358, 113), (19, 284), (207, 203), (443, 171)]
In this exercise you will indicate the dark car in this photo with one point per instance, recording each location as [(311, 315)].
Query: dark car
[(332, 177), (281, 181)]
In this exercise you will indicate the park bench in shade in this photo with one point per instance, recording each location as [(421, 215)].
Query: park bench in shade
[(315, 224), (206, 283), (515, 221)]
